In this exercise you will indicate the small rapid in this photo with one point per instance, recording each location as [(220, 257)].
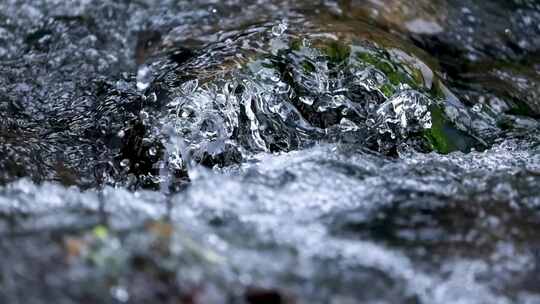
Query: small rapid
[(269, 152)]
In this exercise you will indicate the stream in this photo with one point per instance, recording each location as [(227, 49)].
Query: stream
[(329, 151)]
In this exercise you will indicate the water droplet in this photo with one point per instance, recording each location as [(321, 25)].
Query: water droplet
[(152, 97), (306, 100), (120, 293), (143, 115), (427, 123), (144, 78), (348, 125), (121, 85), (275, 78), (152, 151), (124, 163)]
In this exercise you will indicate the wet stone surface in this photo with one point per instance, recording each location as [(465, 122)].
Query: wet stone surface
[(269, 152)]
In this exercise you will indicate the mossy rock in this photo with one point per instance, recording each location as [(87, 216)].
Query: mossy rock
[(444, 136), (319, 74)]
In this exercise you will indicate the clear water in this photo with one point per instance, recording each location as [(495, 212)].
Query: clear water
[(216, 152)]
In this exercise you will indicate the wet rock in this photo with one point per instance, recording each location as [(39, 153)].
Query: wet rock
[(513, 84), (465, 36), (328, 88), (472, 31), (421, 17)]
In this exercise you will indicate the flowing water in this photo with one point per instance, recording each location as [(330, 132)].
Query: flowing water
[(269, 151)]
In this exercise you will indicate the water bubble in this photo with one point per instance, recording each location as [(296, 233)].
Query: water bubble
[(143, 115), (152, 97), (275, 77), (348, 125), (427, 122), (279, 29), (122, 85), (147, 141), (307, 100), (338, 100), (152, 151), (176, 161), (185, 114), (477, 108)]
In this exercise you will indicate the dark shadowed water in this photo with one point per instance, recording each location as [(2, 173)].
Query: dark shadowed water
[(269, 151)]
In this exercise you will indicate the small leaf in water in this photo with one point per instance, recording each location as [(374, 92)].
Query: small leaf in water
[(74, 247), (101, 232), (161, 229)]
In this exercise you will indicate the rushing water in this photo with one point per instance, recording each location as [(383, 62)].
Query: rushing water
[(269, 151)]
